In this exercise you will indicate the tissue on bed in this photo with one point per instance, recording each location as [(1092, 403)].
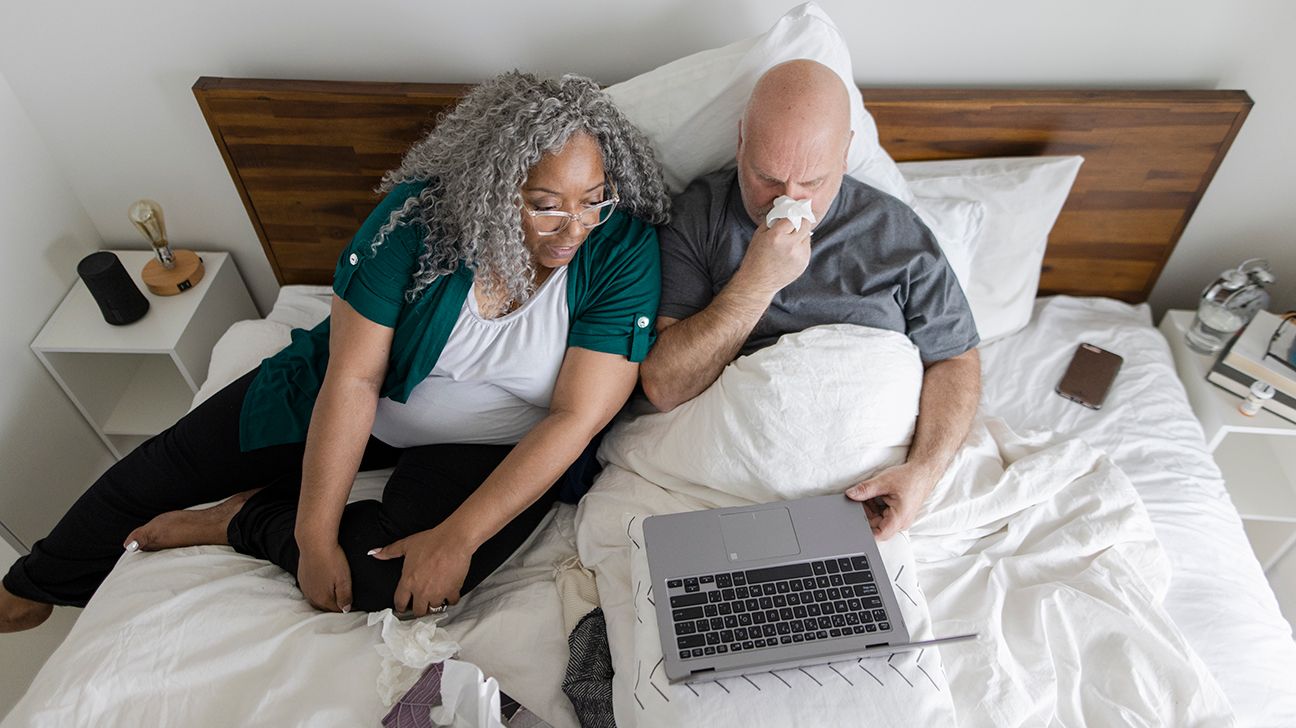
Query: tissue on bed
[(407, 648), (469, 699)]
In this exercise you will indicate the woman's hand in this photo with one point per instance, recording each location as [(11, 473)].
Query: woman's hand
[(436, 564), (325, 577)]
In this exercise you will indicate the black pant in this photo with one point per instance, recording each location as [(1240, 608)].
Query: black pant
[(198, 460)]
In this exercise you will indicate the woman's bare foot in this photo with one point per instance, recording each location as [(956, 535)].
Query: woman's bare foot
[(174, 529), (18, 614)]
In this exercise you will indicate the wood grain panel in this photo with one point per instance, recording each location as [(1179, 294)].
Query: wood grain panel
[(1149, 156), (307, 155)]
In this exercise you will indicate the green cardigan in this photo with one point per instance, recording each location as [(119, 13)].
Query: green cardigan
[(613, 288)]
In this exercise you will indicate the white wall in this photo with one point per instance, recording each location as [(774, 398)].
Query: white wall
[(1248, 209), (108, 84), (47, 451)]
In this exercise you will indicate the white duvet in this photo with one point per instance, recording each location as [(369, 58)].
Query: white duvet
[(207, 637), (1037, 543), (204, 637)]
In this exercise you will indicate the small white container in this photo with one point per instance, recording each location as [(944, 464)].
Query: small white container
[(1260, 393)]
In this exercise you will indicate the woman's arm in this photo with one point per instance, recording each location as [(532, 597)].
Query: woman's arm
[(591, 388), (335, 442)]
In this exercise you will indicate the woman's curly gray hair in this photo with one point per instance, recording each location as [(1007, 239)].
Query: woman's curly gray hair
[(479, 155)]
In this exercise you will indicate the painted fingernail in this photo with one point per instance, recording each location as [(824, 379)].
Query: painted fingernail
[(132, 547), (346, 608), (373, 552)]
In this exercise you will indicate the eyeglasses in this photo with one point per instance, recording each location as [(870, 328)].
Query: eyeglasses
[(552, 222), (1282, 345)]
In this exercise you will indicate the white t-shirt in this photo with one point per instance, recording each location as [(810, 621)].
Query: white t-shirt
[(494, 379)]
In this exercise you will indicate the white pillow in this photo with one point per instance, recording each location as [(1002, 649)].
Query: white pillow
[(956, 224), (690, 108), (1021, 198), (835, 404), (242, 347)]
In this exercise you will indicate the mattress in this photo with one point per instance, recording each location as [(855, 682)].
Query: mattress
[(1218, 593), (204, 636)]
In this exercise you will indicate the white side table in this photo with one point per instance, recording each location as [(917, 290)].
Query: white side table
[(133, 381), (1257, 455)]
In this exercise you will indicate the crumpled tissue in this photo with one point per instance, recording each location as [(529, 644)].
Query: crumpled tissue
[(794, 210), (469, 699), (407, 649)]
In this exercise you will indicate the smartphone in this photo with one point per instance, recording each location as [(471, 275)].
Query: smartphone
[(1089, 376)]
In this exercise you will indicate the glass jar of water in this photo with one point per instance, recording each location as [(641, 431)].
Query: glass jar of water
[(1228, 304)]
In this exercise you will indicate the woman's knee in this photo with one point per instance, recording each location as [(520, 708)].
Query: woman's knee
[(373, 581), (374, 589)]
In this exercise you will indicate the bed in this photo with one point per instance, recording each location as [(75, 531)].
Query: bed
[(203, 636)]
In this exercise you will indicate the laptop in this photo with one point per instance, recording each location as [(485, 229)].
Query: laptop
[(773, 586)]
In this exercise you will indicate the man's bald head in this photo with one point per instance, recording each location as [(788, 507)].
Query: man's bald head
[(800, 97), (794, 137)]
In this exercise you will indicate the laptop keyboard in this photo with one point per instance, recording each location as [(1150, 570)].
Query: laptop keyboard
[(740, 611)]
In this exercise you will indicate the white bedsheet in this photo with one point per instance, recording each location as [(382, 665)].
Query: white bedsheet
[(722, 449), (1039, 544), (1217, 593), (209, 637), (205, 637)]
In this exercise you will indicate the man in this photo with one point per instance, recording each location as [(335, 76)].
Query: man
[(732, 285)]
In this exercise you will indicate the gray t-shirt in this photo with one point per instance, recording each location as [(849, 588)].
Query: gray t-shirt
[(872, 263)]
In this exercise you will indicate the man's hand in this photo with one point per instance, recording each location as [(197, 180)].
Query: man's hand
[(436, 564), (775, 257), (893, 497), (325, 577), (950, 392)]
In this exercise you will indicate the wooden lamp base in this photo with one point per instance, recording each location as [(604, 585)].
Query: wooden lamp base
[(187, 272)]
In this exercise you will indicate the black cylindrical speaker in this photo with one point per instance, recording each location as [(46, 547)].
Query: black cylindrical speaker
[(118, 297)]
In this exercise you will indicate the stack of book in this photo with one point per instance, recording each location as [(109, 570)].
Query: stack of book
[(1255, 354)]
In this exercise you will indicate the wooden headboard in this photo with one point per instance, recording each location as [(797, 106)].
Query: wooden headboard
[(307, 155)]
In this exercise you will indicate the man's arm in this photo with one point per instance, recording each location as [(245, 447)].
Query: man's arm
[(690, 353), (950, 394), (951, 391)]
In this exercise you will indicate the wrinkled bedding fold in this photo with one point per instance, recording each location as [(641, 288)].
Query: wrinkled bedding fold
[(1037, 542)]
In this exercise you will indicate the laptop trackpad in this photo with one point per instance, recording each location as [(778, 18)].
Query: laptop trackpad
[(759, 534)]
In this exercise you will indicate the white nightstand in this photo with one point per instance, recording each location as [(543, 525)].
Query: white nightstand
[(1257, 455), (133, 381)]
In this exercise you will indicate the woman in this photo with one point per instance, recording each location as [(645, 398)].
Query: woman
[(487, 322)]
